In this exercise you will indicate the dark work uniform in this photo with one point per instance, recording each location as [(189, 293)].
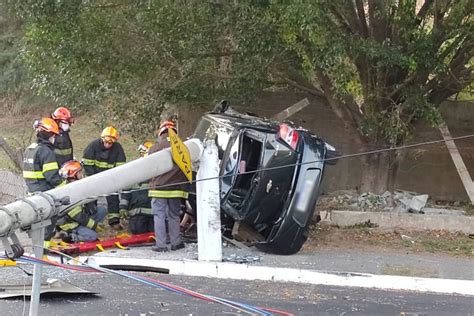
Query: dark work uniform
[(96, 159), (81, 222), (40, 167), (40, 171), (63, 148), (138, 205)]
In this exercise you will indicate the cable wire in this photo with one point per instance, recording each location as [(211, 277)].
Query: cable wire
[(365, 153), (252, 310)]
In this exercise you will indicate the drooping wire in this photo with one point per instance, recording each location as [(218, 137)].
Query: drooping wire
[(155, 283), (371, 152)]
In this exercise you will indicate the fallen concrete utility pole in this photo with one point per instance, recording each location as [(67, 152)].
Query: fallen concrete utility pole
[(34, 212), (289, 111), (458, 162), (208, 205)]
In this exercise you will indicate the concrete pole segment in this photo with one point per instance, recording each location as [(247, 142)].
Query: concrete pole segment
[(208, 206), (23, 213)]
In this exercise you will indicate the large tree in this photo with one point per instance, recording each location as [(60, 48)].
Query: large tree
[(382, 65)]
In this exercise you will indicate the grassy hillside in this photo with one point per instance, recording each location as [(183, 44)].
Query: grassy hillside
[(17, 130)]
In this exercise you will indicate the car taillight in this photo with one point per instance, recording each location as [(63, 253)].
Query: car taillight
[(288, 135)]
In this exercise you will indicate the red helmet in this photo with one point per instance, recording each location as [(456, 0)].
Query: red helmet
[(165, 125), (63, 114), (70, 169), (46, 125)]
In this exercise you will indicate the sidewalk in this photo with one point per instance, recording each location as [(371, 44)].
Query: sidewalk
[(396, 270), (451, 223), (425, 273)]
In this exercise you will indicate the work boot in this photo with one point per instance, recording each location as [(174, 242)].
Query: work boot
[(159, 249), (65, 236), (177, 247)]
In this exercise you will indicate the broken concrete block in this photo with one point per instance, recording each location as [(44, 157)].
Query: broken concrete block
[(418, 202)]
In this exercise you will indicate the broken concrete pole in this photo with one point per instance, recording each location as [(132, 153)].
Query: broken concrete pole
[(208, 205), (36, 208)]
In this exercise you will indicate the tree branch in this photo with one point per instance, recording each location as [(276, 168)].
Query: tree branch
[(341, 109), (424, 9), (343, 24), (362, 18)]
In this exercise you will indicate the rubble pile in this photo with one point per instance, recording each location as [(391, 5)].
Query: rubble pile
[(397, 201)]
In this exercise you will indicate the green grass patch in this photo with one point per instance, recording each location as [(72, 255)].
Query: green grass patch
[(18, 132)]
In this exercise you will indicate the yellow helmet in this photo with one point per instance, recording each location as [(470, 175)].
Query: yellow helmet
[(109, 134), (144, 148)]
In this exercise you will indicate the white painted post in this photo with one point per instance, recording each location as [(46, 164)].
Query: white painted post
[(208, 205), (458, 162)]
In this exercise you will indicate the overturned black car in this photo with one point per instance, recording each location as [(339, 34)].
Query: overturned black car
[(270, 177)]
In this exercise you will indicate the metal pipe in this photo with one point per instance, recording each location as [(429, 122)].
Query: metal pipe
[(33, 209)]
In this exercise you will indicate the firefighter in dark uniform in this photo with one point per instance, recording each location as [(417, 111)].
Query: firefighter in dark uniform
[(81, 222), (166, 202), (103, 154), (40, 167), (63, 144), (136, 204)]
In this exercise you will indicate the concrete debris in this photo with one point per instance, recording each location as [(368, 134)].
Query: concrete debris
[(408, 238), (397, 201), (242, 259)]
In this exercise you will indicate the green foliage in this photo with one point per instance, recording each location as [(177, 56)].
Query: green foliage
[(127, 60), (387, 63)]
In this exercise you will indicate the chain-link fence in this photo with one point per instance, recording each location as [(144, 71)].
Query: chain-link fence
[(12, 186)]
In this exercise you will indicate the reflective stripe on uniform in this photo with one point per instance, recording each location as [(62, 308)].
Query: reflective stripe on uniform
[(140, 210), (69, 226), (119, 163), (113, 215), (168, 194), (33, 175), (90, 223), (63, 152), (103, 164), (88, 162), (97, 163), (75, 211), (50, 166)]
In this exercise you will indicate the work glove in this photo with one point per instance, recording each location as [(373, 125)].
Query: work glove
[(123, 213)]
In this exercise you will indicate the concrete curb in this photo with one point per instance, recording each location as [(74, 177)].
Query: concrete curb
[(222, 270), (463, 224)]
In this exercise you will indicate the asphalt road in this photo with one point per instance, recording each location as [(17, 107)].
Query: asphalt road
[(120, 296)]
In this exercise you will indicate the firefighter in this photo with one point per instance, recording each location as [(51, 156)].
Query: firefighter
[(166, 202), (136, 204), (40, 167), (81, 222), (63, 143), (103, 154)]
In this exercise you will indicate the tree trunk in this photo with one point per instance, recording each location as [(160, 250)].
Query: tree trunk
[(379, 172), (15, 156)]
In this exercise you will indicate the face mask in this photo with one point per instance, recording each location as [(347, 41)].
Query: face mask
[(64, 126), (52, 139)]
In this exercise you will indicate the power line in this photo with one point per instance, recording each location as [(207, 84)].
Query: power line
[(366, 153)]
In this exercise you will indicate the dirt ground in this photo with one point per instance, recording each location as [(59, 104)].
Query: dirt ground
[(376, 239)]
